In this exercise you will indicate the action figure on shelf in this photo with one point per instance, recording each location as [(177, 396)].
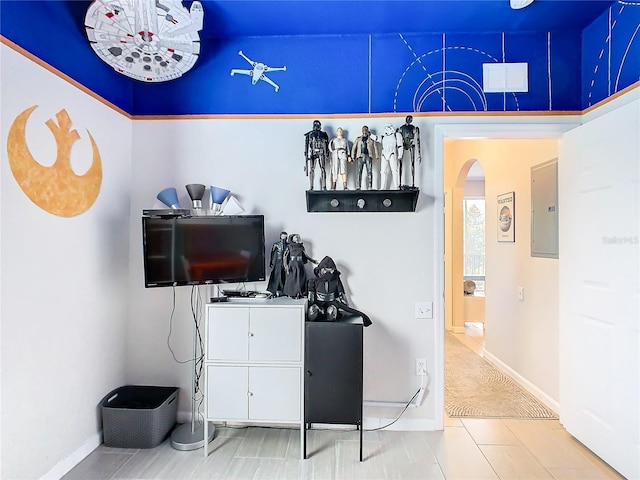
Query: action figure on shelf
[(392, 151), (316, 150), (364, 151), (295, 258), (411, 141), (339, 148), (327, 296), (276, 263)]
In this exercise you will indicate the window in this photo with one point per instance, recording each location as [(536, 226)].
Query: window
[(474, 223)]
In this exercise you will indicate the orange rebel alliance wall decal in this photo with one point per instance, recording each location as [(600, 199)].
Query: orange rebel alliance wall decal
[(55, 189)]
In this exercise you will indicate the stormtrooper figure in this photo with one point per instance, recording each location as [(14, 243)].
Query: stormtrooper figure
[(411, 143), (339, 148), (316, 150), (392, 151)]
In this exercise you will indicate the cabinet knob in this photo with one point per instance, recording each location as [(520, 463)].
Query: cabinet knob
[(249, 394), (251, 334), (309, 373)]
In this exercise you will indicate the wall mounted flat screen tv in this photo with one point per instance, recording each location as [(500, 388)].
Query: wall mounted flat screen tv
[(203, 250)]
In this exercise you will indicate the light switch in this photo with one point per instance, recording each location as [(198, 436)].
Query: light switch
[(424, 310)]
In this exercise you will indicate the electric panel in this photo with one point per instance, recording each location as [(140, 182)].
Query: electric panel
[(544, 210)]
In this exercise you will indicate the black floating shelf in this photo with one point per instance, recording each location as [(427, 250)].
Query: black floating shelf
[(404, 200)]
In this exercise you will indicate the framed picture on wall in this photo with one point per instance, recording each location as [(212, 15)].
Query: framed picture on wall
[(507, 217)]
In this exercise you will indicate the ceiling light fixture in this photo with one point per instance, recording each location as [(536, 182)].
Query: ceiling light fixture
[(518, 4)]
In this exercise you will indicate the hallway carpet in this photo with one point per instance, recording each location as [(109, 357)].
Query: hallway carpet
[(475, 388)]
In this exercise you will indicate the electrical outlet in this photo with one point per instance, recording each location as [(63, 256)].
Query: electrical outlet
[(521, 293), (424, 310), (421, 366)]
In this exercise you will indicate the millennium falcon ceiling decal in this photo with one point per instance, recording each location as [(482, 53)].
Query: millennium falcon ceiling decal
[(148, 40)]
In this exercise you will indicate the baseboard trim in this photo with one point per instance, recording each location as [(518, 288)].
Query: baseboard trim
[(458, 330), (523, 382), (65, 465)]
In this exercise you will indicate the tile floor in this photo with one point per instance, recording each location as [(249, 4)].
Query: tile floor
[(466, 449)]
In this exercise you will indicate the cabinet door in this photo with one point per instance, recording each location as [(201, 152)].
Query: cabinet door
[(276, 334), (227, 392), (274, 393), (333, 366), (227, 332)]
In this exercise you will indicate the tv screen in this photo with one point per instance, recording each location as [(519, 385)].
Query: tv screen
[(203, 250)]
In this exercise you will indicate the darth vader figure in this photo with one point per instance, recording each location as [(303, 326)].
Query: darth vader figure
[(326, 294), (316, 150), (276, 262)]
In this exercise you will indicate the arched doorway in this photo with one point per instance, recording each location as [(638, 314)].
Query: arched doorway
[(464, 255)]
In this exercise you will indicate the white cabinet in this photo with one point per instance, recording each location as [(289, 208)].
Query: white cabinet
[(262, 332), (254, 354), (257, 393)]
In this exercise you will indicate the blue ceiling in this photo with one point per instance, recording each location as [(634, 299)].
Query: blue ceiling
[(225, 19), (381, 45), (242, 18)]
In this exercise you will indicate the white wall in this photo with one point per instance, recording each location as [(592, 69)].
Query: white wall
[(516, 332), (387, 259), (64, 283), (474, 188)]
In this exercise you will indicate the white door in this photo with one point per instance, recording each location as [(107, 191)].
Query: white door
[(227, 392), (598, 172), (227, 333), (276, 334), (274, 393)]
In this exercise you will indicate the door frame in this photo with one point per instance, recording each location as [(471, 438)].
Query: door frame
[(520, 127)]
